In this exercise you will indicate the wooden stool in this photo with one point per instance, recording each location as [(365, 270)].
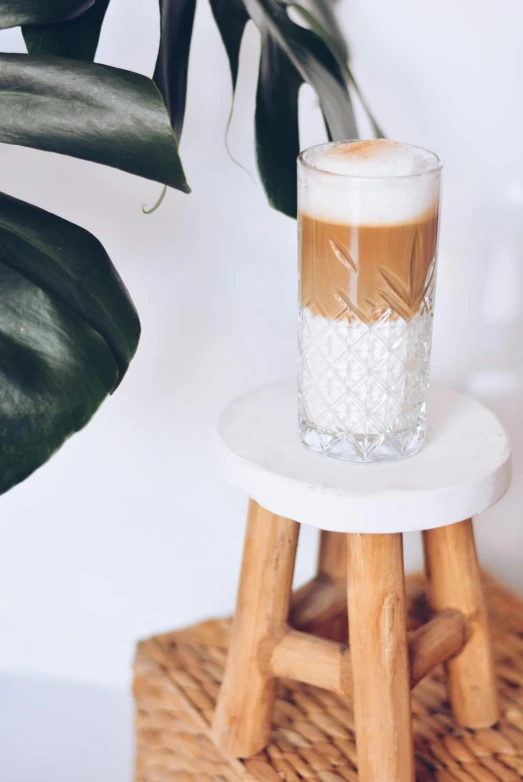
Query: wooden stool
[(463, 469)]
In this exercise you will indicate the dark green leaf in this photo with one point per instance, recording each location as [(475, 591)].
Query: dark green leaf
[(323, 12), (170, 75), (231, 18), (290, 55), (16, 12), (324, 33), (68, 331), (71, 264), (314, 61), (276, 122), (89, 111), (76, 38)]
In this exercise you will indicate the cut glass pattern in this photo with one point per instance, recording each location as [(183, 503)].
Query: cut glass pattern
[(363, 385)]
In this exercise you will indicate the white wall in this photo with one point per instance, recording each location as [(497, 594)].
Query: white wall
[(128, 530)]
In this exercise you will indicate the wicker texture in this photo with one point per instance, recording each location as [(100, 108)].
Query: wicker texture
[(177, 677)]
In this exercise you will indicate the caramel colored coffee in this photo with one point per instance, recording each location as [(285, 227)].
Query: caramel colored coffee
[(359, 272), (367, 223)]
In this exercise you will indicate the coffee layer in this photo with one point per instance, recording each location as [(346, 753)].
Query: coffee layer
[(357, 272)]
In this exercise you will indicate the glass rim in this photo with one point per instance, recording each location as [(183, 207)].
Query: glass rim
[(438, 162)]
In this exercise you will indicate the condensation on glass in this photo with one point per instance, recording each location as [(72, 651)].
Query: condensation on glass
[(367, 270)]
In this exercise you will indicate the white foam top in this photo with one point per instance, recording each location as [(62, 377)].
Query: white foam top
[(377, 181)]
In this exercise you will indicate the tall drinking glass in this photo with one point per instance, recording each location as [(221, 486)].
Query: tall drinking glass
[(368, 228)]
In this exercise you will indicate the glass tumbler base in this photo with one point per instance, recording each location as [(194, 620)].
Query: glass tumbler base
[(363, 448)]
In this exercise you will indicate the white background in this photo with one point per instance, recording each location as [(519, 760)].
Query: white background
[(128, 530)]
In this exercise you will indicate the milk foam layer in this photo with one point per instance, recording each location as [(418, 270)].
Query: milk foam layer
[(378, 158), (368, 183)]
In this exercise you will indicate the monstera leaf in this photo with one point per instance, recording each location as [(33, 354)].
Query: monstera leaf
[(313, 51), (93, 112), (291, 55), (170, 73), (68, 331), (67, 327), (76, 38), (322, 25), (17, 12), (276, 125)]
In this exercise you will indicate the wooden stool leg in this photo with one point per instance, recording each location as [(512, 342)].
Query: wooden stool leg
[(332, 565), (454, 579), (242, 721), (320, 606), (332, 557), (379, 657)]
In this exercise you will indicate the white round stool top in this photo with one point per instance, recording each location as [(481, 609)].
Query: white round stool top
[(463, 468)]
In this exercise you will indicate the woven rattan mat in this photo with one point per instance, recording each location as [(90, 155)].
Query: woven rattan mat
[(177, 678)]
